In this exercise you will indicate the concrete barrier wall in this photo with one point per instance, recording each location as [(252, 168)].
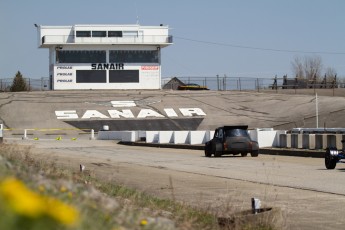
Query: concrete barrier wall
[(265, 138), (308, 141), (197, 137), (181, 137), (110, 135), (152, 136), (300, 141), (294, 141), (130, 136), (165, 137), (319, 141), (276, 142), (334, 140), (285, 140)]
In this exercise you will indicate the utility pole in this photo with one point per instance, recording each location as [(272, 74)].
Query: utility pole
[(317, 111)]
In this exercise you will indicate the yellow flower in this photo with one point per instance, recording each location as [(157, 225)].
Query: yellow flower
[(41, 188), (70, 195), (22, 200), (143, 222), (63, 189), (27, 203), (61, 212)]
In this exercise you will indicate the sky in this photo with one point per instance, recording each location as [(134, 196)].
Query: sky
[(236, 38)]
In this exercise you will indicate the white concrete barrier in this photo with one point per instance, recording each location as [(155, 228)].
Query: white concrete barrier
[(109, 135), (331, 140), (308, 141), (181, 137), (300, 141), (197, 137), (152, 136), (294, 141), (165, 137), (267, 138), (338, 138), (130, 136), (319, 141)]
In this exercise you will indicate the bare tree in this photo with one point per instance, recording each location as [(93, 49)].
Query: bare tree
[(313, 68), (297, 68), (330, 74), (309, 68)]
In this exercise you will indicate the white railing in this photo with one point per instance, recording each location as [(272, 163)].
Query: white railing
[(67, 39)]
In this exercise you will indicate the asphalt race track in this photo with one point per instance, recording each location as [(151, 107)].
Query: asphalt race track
[(37, 110), (310, 196)]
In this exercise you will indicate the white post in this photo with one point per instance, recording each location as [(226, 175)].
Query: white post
[(92, 134), (25, 135), (317, 111), (1, 133)]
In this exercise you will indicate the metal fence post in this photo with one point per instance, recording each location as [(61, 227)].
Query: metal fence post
[(217, 82), (224, 82), (257, 80)]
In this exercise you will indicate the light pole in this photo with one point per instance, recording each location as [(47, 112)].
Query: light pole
[(317, 111)]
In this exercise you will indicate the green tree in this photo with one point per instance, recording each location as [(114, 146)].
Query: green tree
[(19, 83)]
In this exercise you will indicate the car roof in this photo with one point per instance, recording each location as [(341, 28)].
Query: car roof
[(236, 127)]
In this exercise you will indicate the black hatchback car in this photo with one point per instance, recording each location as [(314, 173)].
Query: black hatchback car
[(231, 140)]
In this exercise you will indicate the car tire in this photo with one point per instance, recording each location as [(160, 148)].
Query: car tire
[(244, 154), (217, 154), (207, 153), (255, 153), (330, 161)]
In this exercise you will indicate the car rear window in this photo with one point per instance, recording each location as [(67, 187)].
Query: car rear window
[(236, 133)]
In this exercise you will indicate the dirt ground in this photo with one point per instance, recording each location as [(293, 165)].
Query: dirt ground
[(223, 186)]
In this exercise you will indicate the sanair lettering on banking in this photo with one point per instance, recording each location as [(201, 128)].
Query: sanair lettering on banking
[(127, 113)]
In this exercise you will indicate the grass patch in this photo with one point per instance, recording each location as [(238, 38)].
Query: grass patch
[(100, 205)]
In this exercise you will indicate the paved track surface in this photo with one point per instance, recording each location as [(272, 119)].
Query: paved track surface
[(310, 196), (27, 110)]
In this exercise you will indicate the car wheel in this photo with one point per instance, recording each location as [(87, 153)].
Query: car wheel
[(217, 154), (330, 161), (244, 154), (255, 153), (207, 153)]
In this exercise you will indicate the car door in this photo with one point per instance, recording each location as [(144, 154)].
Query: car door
[(218, 140)]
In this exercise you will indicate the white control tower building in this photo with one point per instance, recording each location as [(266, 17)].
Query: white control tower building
[(104, 56)]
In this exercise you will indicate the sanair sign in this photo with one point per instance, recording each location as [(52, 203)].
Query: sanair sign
[(127, 113)]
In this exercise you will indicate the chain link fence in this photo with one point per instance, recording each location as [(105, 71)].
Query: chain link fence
[(33, 84), (243, 83), (220, 83)]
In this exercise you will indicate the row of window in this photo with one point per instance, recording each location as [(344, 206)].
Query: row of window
[(99, 56), (115, 76), (101, 33)]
